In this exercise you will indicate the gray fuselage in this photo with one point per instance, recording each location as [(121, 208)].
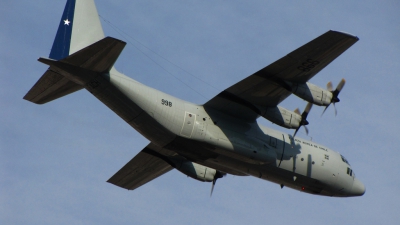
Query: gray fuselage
[(220, 141)]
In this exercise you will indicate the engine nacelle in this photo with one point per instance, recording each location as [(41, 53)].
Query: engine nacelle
[(283, 117), (312, 93), (194, 170)]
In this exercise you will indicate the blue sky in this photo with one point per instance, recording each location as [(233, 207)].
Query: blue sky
[(55, 158)]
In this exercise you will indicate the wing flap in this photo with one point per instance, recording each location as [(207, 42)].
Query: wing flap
[(143, 168)]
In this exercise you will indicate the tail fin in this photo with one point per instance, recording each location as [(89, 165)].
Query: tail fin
[(79, 27)]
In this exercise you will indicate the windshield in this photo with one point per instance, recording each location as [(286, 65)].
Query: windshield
[(345, 160)]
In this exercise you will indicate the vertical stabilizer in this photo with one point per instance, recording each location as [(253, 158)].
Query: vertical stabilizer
[(79, 27)]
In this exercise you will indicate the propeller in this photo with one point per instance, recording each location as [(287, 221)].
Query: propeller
[(217, 175), (303, 121), (335, 94)]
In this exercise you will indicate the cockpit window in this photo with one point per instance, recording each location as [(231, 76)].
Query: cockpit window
[(350, 172), (345, 160)]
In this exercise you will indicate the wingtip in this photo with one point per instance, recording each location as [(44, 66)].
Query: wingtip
[(345, 33)]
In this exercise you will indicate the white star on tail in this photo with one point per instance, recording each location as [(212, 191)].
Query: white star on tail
[(67, 22)]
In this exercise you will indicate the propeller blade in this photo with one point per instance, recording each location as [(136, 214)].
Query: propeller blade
[(341, 85), (335, 94), (217, 175), (303, 121), (324, 110), (297, 111), (305, 127), (212, 187), (295, 132), (334, 108), (308, 108), (329, 86)]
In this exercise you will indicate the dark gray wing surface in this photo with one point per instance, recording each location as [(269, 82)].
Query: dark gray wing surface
[(266, 88), (51, 86), (143, 168)]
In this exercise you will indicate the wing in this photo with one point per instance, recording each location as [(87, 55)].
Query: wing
[(267, 87), (143, 168)]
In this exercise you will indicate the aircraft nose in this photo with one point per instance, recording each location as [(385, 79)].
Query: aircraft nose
[(358, 188)]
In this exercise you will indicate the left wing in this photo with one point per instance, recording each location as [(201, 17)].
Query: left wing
[(267, 87), (144, 167)]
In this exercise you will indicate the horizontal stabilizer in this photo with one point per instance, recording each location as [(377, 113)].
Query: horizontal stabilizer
[(96, 58), (51, 86), (143, 168)]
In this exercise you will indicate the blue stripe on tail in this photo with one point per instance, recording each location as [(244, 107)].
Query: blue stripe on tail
[(62, 41)]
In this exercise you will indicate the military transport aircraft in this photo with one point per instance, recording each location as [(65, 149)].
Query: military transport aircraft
[(217, 138)]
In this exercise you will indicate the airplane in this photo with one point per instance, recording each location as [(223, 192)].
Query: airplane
[(220, 137)]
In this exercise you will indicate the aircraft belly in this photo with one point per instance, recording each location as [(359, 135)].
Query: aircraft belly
[(266, 172), (152, 130), (246, 149)]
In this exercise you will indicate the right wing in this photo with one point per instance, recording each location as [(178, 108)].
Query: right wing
[(143, 168), (267, 87)]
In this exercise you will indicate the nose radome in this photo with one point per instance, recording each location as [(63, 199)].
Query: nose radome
[(358, 188)]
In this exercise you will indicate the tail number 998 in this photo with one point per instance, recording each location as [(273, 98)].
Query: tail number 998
[(166, 102)]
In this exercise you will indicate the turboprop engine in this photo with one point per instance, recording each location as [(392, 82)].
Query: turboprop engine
[(317, 95), (309, 92), (197, 171), (312, 93), (283, 117), (288, 119)]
